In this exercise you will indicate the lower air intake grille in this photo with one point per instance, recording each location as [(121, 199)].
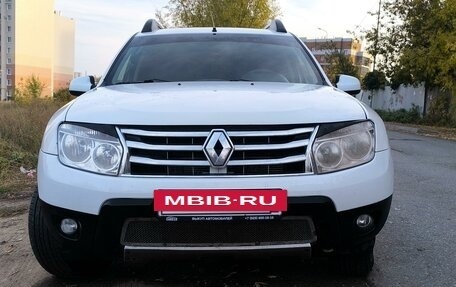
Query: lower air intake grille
[(153, 233)]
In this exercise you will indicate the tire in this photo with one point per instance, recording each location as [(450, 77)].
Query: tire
[(50, 252), (357, 264)]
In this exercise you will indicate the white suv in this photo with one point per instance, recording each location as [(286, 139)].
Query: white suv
[(214, 140)]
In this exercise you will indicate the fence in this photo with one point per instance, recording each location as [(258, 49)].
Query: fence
[(405, 97)]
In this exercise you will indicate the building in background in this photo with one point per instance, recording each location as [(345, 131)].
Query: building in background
[(35, 40), (320, 48)]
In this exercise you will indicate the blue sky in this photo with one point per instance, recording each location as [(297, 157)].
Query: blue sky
[(103, 26)]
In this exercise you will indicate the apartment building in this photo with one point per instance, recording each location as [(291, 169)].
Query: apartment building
[(350, 47), (34, 40)]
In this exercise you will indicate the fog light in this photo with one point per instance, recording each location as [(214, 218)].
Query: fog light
[(364, 221), (69, 226)]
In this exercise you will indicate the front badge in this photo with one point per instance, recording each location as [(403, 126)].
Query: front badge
[(218, 148)]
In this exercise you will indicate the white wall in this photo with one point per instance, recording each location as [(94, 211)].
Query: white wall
[(405, 97)]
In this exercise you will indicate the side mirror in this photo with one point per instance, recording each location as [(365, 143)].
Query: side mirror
[(349, 84), (81, 85)]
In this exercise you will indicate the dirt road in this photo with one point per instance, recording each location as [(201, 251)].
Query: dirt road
[(18, 265)]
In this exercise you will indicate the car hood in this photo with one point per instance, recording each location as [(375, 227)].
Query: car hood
[(214, 103)]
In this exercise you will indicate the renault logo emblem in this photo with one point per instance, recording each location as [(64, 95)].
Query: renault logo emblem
[(218, 148)]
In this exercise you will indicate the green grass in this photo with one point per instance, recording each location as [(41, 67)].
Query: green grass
[(21, 131)]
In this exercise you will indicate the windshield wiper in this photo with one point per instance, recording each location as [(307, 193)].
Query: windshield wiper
[(154, 81), (241, 80), (126, 83), (141, 82)]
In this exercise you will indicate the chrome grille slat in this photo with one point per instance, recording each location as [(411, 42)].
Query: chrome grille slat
[(143, 160), (139, 145), (167, 151), (293, 144), (138, 132), (289, 159), (270, 133)]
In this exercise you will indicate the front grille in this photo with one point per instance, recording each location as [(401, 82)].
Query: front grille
[(153, 232), (178, 151)]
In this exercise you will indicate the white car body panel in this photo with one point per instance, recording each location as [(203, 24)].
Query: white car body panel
[(209, 103), (86, 192), (49, 142), (382, 141)]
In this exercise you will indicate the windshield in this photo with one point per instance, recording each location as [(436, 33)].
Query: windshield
[(208, 57)]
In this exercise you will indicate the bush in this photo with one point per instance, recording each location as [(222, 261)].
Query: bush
[(412, 116), (452, 111), (440, 111), (62, 95)]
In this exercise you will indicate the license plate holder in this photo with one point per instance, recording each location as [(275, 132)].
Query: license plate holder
[(212, 203)]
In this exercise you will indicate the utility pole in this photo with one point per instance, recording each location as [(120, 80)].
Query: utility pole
[(3, 61), (326, 32), (378, 32)]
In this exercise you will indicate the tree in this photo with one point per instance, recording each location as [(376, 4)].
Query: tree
[(28, 89), (221, 13), (416, 40), (338, 62), (374, 80)]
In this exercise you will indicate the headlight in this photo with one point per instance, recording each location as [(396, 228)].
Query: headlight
[(88, 149), (344, 148)]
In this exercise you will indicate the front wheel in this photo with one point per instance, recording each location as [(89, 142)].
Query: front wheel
[(356, 264), (54, 254), (357, 260)]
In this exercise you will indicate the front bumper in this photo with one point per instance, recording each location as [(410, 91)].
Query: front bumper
[(86, 192), (334, 231)]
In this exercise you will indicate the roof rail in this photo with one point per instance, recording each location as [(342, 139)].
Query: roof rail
[(276, 25), (151, 25)]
